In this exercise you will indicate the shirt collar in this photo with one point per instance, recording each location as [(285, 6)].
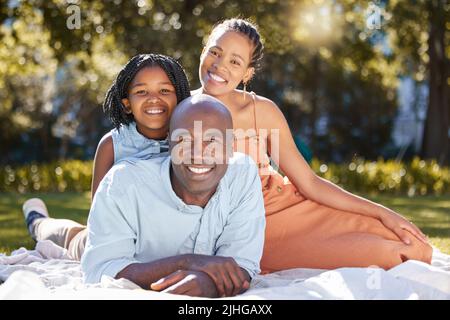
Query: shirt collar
[(181, 205), (141, 141)]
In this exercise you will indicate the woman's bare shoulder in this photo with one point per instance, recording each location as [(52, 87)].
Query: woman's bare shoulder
[(268, 110), (264, 102)]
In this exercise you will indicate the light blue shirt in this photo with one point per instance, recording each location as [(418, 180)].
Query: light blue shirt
[(129, 143), (137, 217)]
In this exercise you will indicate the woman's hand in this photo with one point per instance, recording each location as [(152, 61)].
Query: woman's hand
[(401, 227)]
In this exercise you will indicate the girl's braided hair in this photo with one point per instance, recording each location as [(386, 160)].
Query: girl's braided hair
[(113, 106)]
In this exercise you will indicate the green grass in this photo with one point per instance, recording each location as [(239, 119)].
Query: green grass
[(13, 233), (431, 214)]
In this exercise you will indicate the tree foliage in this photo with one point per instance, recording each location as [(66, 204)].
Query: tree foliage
[(329, 73)]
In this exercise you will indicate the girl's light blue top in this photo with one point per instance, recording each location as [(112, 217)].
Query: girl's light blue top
[(129, 143)]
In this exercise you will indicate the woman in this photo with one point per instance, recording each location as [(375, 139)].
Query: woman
[(311, 222)]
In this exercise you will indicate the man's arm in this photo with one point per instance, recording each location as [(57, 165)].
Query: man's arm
[(171, 276), (229, 278), (161, 274), (188, 282), (144, 274)]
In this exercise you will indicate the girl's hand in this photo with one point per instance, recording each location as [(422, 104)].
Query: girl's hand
[(401, 227)]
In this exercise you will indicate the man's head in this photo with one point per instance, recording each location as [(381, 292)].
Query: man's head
[(199, 145)]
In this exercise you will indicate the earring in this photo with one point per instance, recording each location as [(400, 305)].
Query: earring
[(245, 89)]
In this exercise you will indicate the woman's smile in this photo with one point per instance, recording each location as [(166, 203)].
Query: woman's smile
[(216, 77)]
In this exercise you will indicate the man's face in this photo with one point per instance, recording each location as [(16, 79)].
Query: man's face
[(200, 151)]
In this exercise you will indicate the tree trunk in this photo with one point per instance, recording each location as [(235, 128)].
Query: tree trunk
[(435, 144)]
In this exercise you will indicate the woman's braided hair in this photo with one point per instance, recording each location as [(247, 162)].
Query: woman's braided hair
[(113, 106)]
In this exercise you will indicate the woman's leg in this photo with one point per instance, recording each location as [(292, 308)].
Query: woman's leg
[(310, 235)]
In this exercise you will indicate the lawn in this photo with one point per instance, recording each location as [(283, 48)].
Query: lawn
[(431, 214)]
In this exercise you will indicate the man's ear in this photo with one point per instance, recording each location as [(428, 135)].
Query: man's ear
[(248, 74), (126, 104)]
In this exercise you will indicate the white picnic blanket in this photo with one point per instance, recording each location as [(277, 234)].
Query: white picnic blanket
[(46, 273)]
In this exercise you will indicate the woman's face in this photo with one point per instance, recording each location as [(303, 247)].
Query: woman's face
[(224, 62), (151, 100)]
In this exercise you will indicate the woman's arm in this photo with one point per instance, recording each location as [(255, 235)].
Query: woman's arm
[(320, 190), (103, 161)]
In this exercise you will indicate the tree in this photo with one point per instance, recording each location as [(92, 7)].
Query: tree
[(420, 35), (327, 72), (436, 138)]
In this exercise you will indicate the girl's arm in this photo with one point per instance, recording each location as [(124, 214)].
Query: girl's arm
[(103, 161), (320, 190)]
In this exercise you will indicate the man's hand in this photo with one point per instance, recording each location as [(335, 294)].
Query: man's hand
[(230, 279), (187, 282)]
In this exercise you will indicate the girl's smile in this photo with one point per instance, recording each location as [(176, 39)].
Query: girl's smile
[(155, 110), (151, 99)]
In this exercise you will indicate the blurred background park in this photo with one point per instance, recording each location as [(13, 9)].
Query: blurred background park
[(364, 86)]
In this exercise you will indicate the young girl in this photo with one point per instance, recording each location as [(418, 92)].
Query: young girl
[(311, 222), (139, 104)]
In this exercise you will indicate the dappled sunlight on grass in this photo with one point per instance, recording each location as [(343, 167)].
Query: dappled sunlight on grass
[(442, 244)]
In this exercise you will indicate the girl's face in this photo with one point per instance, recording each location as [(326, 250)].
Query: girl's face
[(151, 100), (224, 62)]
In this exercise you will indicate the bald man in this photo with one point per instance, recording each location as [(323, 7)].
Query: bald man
[(191, 223)]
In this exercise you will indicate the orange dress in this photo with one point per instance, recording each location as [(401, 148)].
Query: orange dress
[(301, 233)]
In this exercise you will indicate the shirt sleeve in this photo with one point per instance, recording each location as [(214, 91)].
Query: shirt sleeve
[(243, 235), (111, 240)]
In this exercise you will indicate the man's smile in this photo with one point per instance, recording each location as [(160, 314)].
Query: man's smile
[(199, 170)]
